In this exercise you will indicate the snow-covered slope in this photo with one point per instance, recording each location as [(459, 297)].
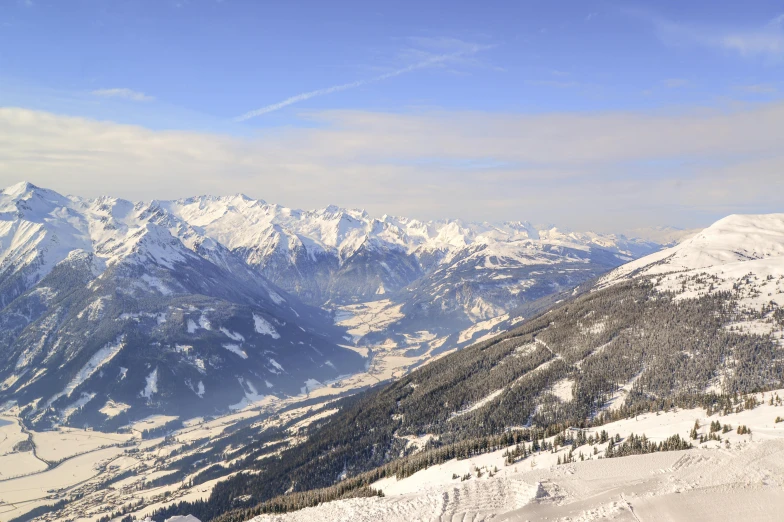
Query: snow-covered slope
[(742, 255), (739, 476), (734, 239), (106, 300)]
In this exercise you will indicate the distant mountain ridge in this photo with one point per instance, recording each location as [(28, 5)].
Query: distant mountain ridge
[(333, 254)]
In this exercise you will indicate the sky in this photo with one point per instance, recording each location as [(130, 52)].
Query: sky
[(587, 114)]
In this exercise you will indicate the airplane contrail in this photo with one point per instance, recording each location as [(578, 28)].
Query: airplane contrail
[(352, 85)]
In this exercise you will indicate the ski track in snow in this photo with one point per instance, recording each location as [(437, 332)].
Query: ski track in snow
[(471, 500)]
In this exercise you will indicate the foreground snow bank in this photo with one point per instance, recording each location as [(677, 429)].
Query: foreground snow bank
[(737, 477), (703, 484)]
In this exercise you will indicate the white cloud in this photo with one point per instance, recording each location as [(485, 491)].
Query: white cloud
[(580, 170), (429, 60), (126, 94)]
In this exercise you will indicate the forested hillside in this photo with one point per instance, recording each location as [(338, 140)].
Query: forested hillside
[(603, 355)]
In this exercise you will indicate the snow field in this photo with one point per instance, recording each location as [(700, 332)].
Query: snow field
[(152, 422), (264, 327), (15, 463), (10, 434), (364, 318), (34, 488)]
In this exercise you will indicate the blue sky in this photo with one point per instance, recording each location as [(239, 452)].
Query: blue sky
[(283, 81)]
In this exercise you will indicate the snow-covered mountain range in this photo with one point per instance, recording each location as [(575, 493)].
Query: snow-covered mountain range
[(340, 256), (209, 302), (693, 332), (437, 278), (113, 310)]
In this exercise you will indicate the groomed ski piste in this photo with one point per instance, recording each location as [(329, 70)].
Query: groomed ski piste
[(739, 477)]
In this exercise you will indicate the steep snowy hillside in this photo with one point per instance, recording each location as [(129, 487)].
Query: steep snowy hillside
[(111, 303), (742, 255)]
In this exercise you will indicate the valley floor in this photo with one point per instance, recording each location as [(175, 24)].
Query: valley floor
[(69, 464)]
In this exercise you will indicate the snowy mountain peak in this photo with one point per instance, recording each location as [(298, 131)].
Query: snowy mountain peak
[(19, 189), (30, 200), (737, 238), (740, 255), (245, 197)]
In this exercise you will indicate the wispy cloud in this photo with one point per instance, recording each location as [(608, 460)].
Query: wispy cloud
[(127, 94), (765, 40), (430, 60)]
